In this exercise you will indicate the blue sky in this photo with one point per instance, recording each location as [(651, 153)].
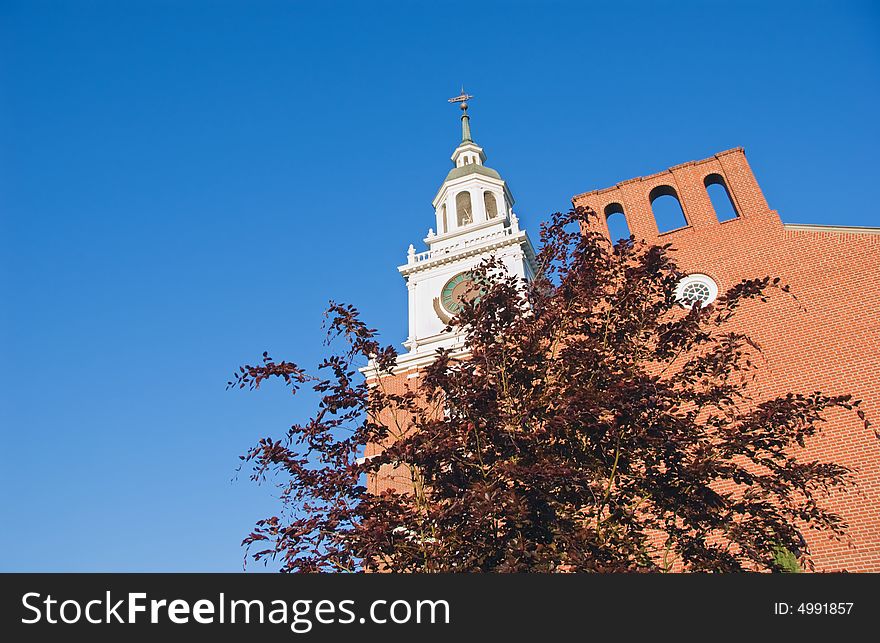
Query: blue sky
[(185, 184)]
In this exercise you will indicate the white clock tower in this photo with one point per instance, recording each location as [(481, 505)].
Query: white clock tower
[(474, 219)]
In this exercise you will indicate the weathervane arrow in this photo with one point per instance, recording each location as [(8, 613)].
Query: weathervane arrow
[(463, 98)]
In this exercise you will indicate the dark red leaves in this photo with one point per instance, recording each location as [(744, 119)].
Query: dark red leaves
[(595, 426)]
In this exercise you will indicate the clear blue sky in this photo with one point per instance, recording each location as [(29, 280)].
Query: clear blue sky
[(185, 184)]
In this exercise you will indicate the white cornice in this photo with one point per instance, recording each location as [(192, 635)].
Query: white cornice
[(409, 362), (493, 243)]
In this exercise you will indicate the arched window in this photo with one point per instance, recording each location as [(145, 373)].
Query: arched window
[(463, 211), (444, 221), (722, 203), (617, 226), (667, 209), (491, 205)]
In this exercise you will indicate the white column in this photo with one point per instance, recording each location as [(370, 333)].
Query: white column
[(480, 205), (411, 288)]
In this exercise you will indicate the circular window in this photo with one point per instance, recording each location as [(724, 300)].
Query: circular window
[(696, 288)]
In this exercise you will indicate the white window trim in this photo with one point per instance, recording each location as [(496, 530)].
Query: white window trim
[(696, 278)]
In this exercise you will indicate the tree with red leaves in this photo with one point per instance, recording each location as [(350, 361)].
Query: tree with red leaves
[(594, 424)]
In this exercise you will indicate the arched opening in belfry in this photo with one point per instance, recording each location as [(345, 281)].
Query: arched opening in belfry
[(463, 211), (491, 205), (615, 217), (667, 210), (722, 202)]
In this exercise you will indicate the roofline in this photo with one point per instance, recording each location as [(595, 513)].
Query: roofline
[(843, 229), (732, 150)]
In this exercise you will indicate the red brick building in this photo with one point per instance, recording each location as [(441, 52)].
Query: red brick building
[(830, 342), (828, 339)]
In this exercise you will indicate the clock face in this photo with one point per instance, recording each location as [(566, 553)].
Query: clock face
[(459, 289)]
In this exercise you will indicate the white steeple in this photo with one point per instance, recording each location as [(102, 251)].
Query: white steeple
[(473, 219), (471, 194)]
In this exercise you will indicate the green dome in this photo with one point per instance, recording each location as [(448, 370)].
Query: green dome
[(472, 168)]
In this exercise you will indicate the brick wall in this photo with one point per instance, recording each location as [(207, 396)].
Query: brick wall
[(829, 340), (392, 478)]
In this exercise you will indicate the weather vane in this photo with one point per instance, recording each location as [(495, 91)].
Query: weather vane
[(462, 98)]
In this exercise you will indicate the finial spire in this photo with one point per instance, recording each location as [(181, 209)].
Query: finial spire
[(463, 98)]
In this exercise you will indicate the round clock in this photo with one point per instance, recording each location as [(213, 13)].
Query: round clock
[(457, 290)]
